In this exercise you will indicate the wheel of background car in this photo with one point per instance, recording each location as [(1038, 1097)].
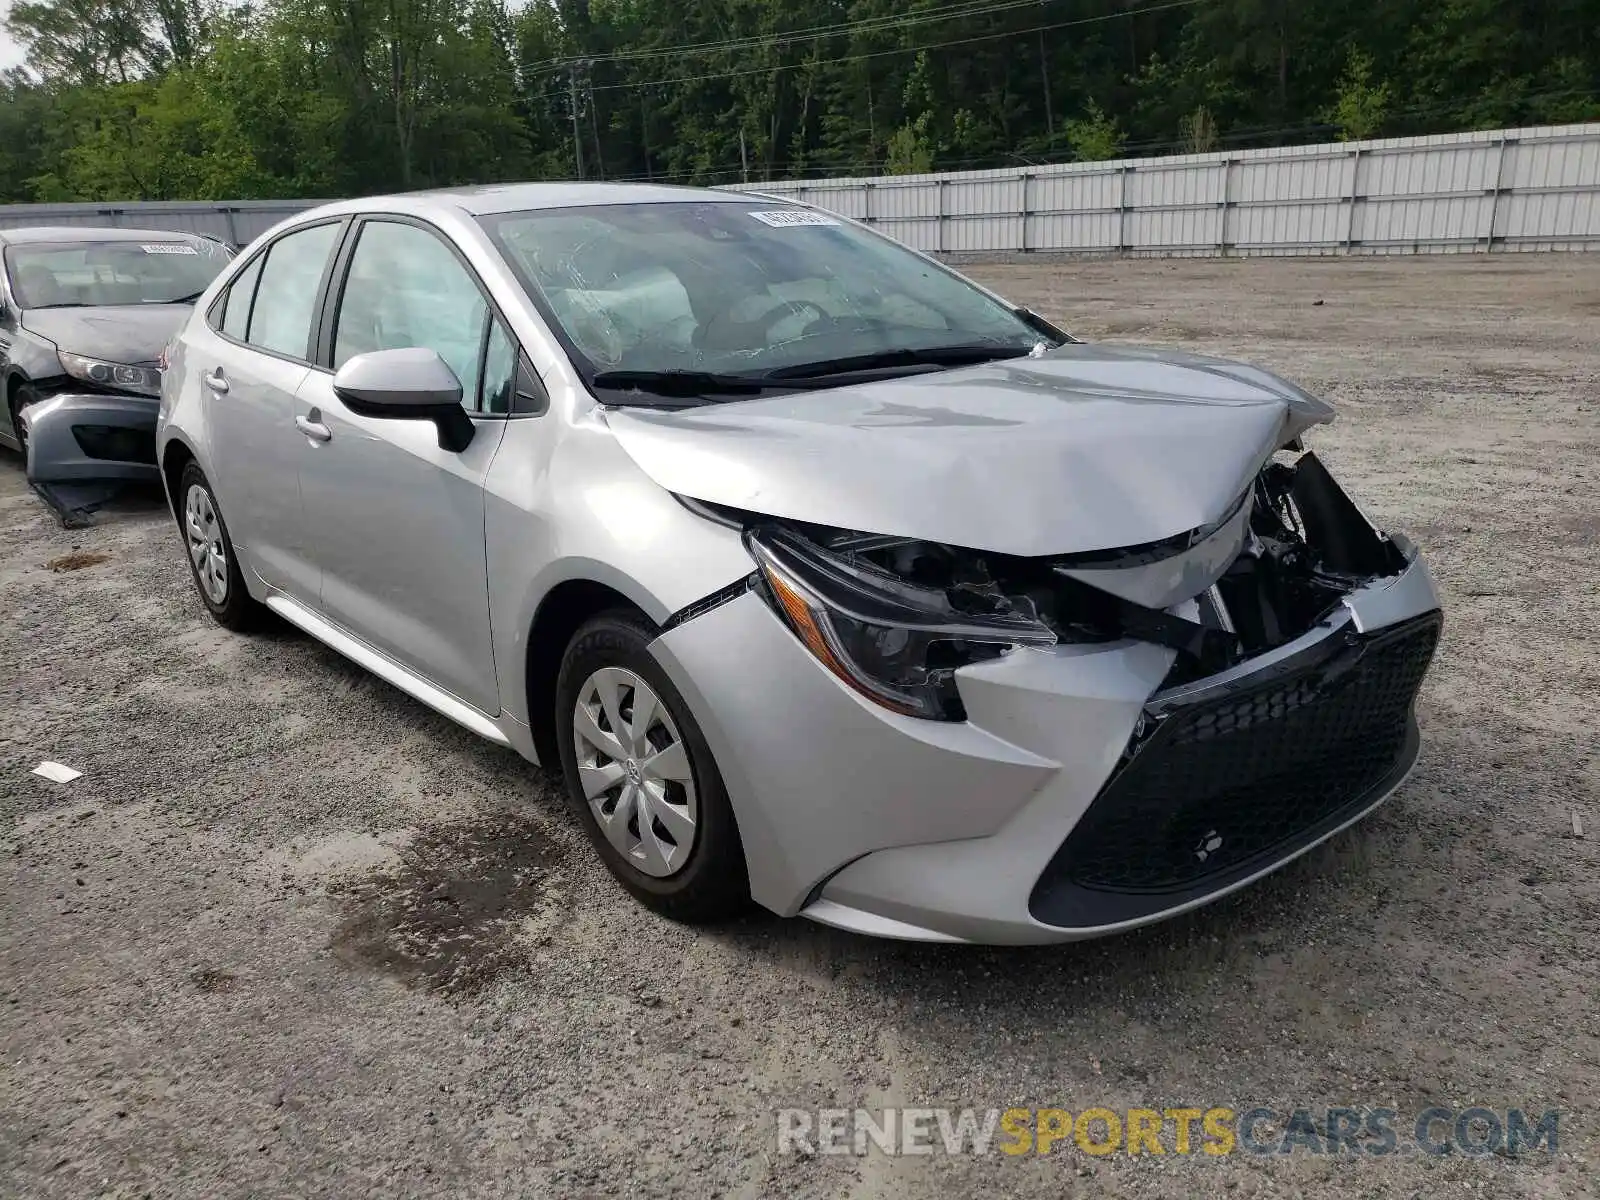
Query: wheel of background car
[(20, 399), (641, 778), (212, 562)]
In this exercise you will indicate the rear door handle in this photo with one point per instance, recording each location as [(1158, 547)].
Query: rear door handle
[(216, 381), (315, 430)]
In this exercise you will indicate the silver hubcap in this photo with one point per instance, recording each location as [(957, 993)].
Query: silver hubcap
[(634, 770), (205, 544)]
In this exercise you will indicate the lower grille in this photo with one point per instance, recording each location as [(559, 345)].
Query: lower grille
[(117, 443), (1219, 786)]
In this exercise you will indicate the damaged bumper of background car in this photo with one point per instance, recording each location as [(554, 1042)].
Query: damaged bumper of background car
[(84, 447), (75, 436), (1009, 750)]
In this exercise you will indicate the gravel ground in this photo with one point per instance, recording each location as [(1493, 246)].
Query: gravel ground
[(292, 934)]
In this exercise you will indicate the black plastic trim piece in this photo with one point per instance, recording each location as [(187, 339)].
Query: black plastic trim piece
[(714, 601), (1066, 905), (1060, 899)]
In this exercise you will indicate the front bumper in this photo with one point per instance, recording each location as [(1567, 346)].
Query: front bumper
[(80, 436), (1073, 799)]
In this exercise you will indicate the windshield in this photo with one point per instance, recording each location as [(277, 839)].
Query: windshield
[(742, 288), (72, 274)]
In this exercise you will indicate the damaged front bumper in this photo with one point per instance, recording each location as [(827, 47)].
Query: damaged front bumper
[(78, 436), (85, 448), (1080, 797), (894, 773)]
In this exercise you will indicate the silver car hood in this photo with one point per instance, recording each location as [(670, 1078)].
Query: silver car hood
[(1085, 448)]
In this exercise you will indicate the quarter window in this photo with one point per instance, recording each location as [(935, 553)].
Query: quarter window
[(499, 369), (236, 310), (407, 288), (286, 298)]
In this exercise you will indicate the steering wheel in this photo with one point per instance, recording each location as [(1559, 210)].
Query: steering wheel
[(761, 325)]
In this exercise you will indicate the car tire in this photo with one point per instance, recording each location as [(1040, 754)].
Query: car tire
[(664, 772), (21, 397), (213, 565)]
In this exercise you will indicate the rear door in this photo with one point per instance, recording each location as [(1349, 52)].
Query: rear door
[(396, 523), (252, 356)]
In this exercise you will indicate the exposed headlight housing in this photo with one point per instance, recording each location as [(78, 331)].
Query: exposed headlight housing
[(145, 381), (896, 642)]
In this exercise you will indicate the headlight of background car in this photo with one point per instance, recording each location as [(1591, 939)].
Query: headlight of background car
[(146, 381), (897, 642)]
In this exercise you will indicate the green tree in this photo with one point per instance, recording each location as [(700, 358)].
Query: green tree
[(1360, 105), (1094, 137)]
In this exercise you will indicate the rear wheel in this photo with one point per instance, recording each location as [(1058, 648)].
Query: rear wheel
[(642, 779), (212, 562)]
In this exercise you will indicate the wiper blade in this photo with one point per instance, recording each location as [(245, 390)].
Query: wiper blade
[(925, 356), (680, 383), (190, 299)]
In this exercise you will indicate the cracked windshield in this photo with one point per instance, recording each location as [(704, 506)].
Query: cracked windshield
[(744, 290)]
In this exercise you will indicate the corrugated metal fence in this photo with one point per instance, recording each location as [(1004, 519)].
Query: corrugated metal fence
[(1509, 189)]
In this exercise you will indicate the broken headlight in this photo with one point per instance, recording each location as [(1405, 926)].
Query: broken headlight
[(895, 641)]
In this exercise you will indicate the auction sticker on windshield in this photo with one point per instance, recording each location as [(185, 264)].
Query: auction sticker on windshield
[(783, 218), (170, 248)]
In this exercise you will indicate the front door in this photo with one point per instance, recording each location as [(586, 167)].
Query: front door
[(396, 523)]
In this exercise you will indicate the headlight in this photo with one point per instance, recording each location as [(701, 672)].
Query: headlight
[(144, 380), (895, 642)]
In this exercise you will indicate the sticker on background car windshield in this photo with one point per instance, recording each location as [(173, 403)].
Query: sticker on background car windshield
[(783, 218), (170, 248)]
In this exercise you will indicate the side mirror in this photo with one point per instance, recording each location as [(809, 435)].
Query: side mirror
[(413, 384)]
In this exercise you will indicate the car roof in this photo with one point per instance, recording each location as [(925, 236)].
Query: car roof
[(516, 197), (87, 233)]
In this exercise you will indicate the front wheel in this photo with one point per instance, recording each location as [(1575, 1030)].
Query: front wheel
[(21, 397), (212, 562), (642, 779)]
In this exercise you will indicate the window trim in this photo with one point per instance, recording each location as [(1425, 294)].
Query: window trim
[(332, 298), (318, 303)]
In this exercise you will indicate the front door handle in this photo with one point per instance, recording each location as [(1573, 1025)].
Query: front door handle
[(216, 381), (315, 430)]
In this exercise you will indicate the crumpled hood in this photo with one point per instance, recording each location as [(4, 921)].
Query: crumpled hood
[(1086, 448), (123, 333)]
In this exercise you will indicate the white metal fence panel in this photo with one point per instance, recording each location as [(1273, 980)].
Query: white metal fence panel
[(1508, 189)]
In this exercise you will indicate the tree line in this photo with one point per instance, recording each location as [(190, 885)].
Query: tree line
[(208, 99)]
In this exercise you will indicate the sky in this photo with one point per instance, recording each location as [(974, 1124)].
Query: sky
[(10, 52)]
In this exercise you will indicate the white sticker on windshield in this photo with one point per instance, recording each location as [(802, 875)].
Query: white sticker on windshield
[(170, 248), (783, 218)]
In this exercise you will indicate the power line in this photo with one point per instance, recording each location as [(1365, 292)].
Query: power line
[(825, 169), (828, 62), (966, 8)]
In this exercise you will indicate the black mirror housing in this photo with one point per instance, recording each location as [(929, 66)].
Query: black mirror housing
[(411, 384)]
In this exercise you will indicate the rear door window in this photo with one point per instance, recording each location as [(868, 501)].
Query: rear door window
[(286, 295)]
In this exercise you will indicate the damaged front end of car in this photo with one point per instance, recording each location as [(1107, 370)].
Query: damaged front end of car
[(897, 618), (1298, 636)]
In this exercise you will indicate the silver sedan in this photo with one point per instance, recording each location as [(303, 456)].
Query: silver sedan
[(821, 575)]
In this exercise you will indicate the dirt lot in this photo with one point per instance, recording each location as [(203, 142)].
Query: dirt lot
[(291, 934)]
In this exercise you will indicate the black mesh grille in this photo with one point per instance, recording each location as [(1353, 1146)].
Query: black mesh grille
[(1221, 782)]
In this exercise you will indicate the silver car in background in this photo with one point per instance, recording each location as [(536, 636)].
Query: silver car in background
[(822, 576)]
